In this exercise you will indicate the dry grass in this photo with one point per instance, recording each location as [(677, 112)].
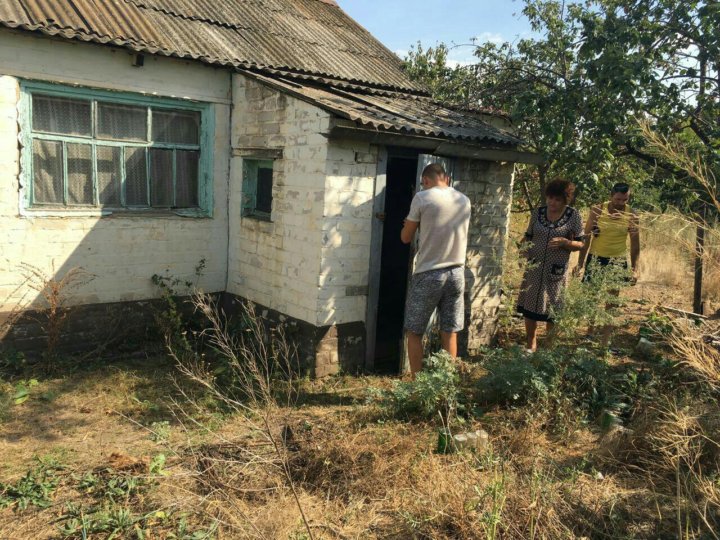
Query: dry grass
[(356, 475)]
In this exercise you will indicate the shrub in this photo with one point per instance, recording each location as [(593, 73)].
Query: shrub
[(434, 390), (552, 378)]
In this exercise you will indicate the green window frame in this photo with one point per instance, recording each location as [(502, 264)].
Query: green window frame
[(257, 187), (91, 149)]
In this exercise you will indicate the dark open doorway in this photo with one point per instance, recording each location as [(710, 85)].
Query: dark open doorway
[(395, 261)]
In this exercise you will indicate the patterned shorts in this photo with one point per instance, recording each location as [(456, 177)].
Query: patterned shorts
[(443, 289)]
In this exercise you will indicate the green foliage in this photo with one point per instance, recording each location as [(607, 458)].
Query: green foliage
[(434, 390), (553, 379), (160, 431), (114, 507), (22, 391), (12, 362), (34, 489), (80, 522), (656, 326), (576, 89), (453, 85), (595, 303)]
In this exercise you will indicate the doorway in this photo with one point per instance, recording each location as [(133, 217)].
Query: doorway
[(401, 181)]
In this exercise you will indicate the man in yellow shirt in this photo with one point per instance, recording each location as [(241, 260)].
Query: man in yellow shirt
[(607, 230)]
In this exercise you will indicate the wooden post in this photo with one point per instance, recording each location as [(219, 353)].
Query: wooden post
[(699, 252)]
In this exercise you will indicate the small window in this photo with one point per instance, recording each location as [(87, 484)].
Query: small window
[(257, 188), (116, 152)]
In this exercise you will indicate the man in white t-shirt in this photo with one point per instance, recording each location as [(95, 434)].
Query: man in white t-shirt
[(442, 214)]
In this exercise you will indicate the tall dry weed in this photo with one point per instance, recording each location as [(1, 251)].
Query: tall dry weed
[(260, 369), (697, 348)]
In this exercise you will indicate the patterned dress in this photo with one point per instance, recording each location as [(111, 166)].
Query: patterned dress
[(545, 279)]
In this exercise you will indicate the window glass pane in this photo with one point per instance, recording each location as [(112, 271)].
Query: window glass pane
[(61, 115), (108, 175), (161, 174), (186, 182), (79, 174), (121, 122), (47, 172), (179, 127), (135, 177), (264, 190)]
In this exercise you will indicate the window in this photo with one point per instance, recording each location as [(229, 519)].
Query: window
[(118, 151), (257, 188)]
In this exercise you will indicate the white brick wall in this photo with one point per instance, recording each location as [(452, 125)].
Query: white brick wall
[(346, 230), (489, 187), (277, 263), (121, 251)]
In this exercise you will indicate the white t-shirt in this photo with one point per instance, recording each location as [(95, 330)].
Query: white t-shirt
[(444, 217)]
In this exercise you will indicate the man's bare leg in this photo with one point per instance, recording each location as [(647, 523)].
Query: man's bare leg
[(449, 342), (415, 351)]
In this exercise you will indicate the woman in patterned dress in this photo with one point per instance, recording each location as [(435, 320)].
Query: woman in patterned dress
[(555, 231)]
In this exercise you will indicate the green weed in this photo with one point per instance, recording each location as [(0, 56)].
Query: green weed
[(434, 390), (568, 383), (35, 488)]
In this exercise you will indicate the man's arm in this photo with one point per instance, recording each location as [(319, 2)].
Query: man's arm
[(634, 230), (408, 231)]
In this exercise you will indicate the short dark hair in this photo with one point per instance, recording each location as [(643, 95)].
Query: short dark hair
[(620, 187), (558, 188), (434, 170)]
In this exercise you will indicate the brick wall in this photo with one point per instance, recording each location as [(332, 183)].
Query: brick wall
[(489, 187), (346, 231), (277, 263)]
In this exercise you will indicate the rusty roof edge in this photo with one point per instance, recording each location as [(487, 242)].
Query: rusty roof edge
[(293, 89)]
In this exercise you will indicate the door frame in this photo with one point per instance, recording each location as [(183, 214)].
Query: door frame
[(371, 316), (376, 238)]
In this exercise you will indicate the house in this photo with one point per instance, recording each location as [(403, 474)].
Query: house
[(265, 138)]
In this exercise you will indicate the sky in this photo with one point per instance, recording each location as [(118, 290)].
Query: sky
[(399, 24)]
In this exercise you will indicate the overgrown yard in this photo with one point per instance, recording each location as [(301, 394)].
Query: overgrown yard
[(582, 445)]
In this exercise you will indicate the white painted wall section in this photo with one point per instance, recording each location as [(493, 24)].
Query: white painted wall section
[(121, 251)]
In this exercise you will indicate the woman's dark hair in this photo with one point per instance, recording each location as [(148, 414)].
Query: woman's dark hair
[(558, 188)]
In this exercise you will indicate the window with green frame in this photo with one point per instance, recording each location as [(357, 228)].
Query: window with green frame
[(257, 188), (103, 149)]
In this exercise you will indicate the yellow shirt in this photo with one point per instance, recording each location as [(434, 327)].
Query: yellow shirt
[(614, 229)]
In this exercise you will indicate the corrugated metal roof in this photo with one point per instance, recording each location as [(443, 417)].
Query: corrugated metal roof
[(309, 48), (302, 36), (394, 111)]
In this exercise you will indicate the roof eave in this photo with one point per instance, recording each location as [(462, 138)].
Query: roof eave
[(483, 150)]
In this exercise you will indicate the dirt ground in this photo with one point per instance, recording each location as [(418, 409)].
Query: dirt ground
[(357, 475)]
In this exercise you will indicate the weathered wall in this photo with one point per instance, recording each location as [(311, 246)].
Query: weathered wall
[(346, 226), (489, 187), (123, 250), (276, 263)]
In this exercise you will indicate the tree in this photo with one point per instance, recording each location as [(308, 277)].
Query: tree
[(577, 91)]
